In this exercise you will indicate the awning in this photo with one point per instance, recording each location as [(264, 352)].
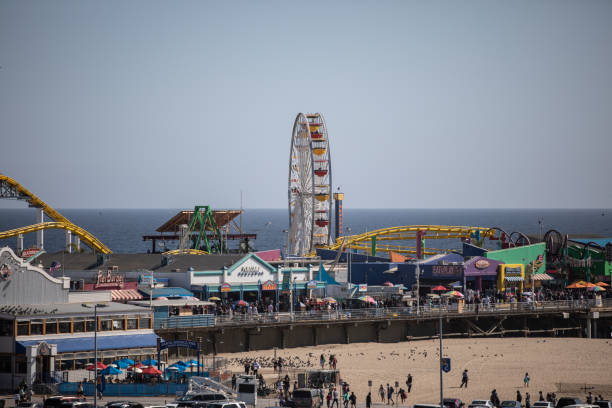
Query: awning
[(514, 279), (126, 294), (168, 292), (72, 344), (541, 277)]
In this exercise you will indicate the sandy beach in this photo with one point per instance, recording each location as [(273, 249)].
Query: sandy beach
[(562, 365)]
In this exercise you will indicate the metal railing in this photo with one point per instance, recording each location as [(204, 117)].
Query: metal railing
[(425, 311)]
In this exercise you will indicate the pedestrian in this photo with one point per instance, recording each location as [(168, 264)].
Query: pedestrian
[(329, 398), (519, 397), (402, 394), (381, 391), (345, 399), (322, 361), (280, 365), (464, 379), (369, 400), (247, 368), (527, 400), (390, 392), (541, 397), (16, 397), (234, 381), (80, 389), (353, 399), (409, 382), (526, 380), (589, 398), (274, 364), (335, 395), (255, 367)]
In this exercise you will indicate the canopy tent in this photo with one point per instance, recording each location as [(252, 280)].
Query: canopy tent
[(323, 276)]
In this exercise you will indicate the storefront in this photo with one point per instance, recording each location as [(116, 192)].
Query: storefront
[(511, 278), (480, 273)]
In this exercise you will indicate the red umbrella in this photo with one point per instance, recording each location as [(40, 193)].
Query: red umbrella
[(151, 371), (101, 366), (241, 303), (437, 288)]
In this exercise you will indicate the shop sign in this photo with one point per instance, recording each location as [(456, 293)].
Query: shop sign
[(226, 287), (513, 271), (178, 343), (250, 270), (105, 280), (269, 285), (363, 287), (5, 272), (447, 270), (482, 264), (311, 284), (44, 349), (26, 253)]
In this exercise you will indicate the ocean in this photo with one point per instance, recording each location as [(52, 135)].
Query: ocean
[(122, 229)]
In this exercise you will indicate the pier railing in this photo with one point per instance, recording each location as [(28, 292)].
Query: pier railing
[(376, 313)]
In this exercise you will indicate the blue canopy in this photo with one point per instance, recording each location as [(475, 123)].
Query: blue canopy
[(150, 362), (323, 276), (122, 364), (110, 370), (178, 367)]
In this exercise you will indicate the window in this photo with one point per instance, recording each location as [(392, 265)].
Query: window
[(23, 328), (106, 325), (6, 327), (132, 324), (66, 364), (36, 327), (90, 325), (20, 364), (118, 324), (64, 326), (145, 322), (5, 363), (51, 326), (79, 325)]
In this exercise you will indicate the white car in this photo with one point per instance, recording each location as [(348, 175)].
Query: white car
[(543, 404), (481, 403)]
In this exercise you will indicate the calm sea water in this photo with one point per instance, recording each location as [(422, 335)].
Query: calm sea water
[(122, 230)]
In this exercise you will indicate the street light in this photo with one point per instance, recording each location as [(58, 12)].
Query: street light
[(350, 256), (95, 308)]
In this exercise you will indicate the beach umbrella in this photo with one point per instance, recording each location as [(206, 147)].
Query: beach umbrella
[(110, 370), (454, 293), (161, 298), (596, 289), (214, 299), (128, 360), (367, 299), (575, 285), (602, 284), (121, 364), (590, 285), (173, 368), (387, 284), (151, 371), (150, 362), (101, 366), (193, 363), (433, 295), (241, 303), (438, 288), (330, 300)]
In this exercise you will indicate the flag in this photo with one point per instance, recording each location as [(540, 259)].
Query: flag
[(395, 257), (54, 266)]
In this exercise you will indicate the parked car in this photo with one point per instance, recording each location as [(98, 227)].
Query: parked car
[(565, 401), (76, 404), (29, 405), (425, 406), (603, 404), (190, 400), (453, 403), (307, 398), (544, 404), (227, 404), (511, 404), (123, 404), (57, 400), (481, 403)]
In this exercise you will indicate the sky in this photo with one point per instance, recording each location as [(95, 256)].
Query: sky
[(428, 104)]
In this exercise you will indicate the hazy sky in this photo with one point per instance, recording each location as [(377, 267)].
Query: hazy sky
[(428, 103)]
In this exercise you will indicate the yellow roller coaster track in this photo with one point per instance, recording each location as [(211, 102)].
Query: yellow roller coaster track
[(61, 222), (405, 233)]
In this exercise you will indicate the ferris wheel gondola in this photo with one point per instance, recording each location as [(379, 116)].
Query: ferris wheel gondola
[(309, 186)]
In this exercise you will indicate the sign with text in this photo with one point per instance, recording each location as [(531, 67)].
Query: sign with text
[(447, 270), (179, 343), (445, 364), (269, 285), (226, 287), (363, 287), (311, 284), (106, 280)]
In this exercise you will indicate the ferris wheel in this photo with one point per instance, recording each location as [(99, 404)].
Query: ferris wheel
[(310, 182)]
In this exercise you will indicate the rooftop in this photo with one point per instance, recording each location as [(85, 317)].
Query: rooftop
[(69, 309)]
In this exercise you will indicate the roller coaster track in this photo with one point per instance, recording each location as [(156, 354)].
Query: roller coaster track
[(408, 232), (10, 188)]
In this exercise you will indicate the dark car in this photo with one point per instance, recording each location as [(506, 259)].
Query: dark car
[(29, 405), (58, 400), (307, 398), (76, 404), (453, 403), (603, 403), (195, 400), (511, 404), (565, 401)]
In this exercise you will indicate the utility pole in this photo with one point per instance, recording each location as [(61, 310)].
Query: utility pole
[(440, 364)]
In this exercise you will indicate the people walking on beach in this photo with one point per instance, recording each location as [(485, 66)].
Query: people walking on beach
[(464, 379), (353, 399), (402, 394), (526, 380), (369, 400), (247, 368), (328, 398), (322, 361), (519, 397), (494, 398), (255, 367), (381, 391), (390, 392), (589, 398), (274, 364), (527, 400), (335, 395), (541, 397), (409, 382), (345, 399), (233, 381)]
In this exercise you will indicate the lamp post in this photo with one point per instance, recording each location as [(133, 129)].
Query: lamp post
[(350, 257), (418, 294), (440, 364), (95, 308)]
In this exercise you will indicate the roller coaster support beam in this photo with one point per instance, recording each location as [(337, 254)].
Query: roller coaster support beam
[(19, 243), (419, 244), (69, 242), (40, 234)]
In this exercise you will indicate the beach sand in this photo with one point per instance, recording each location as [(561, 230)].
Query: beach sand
[(562, 365)]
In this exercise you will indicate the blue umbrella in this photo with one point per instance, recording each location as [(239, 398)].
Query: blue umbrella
[(181, 363), (110, 370), (193, 362), (121, 364), (150, 362), (128, 360), (176, 367)]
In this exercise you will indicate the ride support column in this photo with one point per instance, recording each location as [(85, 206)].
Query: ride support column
[(40, 218), (69, 241)]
